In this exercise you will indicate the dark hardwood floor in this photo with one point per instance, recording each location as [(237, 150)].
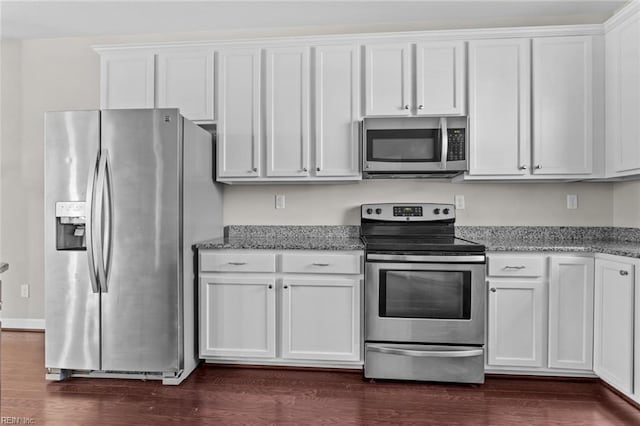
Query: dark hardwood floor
[(223, 395)]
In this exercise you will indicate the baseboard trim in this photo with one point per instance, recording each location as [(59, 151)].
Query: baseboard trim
[(22, 324)]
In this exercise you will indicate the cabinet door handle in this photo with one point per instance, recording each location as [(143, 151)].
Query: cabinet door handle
[(514, 267), (304, 169), (523, 167), (237, 263), (320, 264), (538, 166), (270, 286), (317, 169), (406, 107), (420, 106), (623, 272), (493, 289), (286, 286)]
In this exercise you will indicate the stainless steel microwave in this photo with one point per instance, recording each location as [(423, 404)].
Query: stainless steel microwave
[(414, 147)]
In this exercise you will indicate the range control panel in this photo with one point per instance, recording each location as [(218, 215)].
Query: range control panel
[(407, 212)]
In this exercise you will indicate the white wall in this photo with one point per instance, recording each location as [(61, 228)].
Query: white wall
[(61, 74), (626, 204)]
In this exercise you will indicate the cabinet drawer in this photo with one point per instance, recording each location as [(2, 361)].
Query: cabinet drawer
[(321, 263), (521, 266), (237, 262)]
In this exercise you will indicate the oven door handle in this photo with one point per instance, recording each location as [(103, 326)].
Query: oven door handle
[(430, 354), (416, 258)]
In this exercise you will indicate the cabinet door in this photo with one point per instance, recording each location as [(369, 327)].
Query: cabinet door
[(185, 81), (613, 321), (336, 110), (238, 127), (517, 326), (499, 107), (321, 319), (623, 95), (388, 79), (237, 316), (440, 78), (562, 105), (571, 313), (287, 111), (127, 80)]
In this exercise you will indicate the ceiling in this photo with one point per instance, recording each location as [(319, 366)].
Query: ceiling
[(52, 19)]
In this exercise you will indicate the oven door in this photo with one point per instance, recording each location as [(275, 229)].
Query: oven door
[(435, 303)]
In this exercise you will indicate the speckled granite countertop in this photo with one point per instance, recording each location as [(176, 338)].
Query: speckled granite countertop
[(287, 238), (607, 240)]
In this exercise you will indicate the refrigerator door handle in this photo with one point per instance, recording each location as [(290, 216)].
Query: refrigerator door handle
[(90, 214), (100, 220), (109, 224)]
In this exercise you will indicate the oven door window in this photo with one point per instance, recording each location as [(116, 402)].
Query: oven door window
[(402, 146), (425, 294)]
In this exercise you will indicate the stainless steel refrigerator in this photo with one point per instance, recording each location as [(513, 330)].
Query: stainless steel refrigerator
[(127, 192)]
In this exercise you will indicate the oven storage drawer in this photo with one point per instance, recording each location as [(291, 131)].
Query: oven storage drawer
[(460, 364), (322, 263), (235, 261), (515, 266)]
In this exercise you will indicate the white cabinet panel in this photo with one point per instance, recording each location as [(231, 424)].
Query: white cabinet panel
[(510, 265), (440, 78), (517, 326), (571, 313), (185, 81), (388, 79), (336, 100), (623, 95), (613, 322), (499, 107), (236, 261), (562, 105), (127, 80), (287, 111), (238, 128), (322, 263), (321, 319), (237, 316)]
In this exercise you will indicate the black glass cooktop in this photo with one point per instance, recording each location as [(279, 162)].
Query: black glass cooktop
[(420, 243)]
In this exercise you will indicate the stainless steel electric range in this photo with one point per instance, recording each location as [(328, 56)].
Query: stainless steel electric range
[(424, 295)]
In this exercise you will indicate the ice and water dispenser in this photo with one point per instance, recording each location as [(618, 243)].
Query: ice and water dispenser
[(70, 225)]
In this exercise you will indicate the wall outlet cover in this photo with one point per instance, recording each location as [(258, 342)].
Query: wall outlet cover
[(459, 202), (280, 201), (572, 201), (24, 290)]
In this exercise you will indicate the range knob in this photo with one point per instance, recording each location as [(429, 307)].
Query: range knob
[(436, 211), (378, 211), (369, 211), (445, 211)]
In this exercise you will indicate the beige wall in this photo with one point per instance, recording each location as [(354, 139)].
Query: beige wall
[(626, 204), (61, 74)]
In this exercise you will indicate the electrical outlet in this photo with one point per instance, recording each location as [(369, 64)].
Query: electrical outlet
[(572, 201), (24, 290), (459, 202), (279, 201)]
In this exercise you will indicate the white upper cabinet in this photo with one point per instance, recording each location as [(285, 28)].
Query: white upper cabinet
[(440, 78), (562, 105), (287, 111), (388, 79), (439, 69), (614, 323), (336, 100), (238, 127), (623, 97), (127, 80), (499, 107), (185, 81), (571, 312)]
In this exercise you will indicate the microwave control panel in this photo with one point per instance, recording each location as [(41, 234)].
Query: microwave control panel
[(457, 144)]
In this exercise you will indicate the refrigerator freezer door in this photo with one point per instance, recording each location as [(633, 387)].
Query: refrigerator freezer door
[(72, 314), (142, 304)]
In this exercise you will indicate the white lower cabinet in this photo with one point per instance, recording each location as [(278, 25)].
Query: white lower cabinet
[(304, 311), (614, 322), (320, 319), (540, 315)]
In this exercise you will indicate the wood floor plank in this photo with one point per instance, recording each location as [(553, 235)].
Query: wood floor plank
[(227, 395)]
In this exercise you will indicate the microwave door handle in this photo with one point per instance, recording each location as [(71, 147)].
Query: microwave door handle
[(445, 142)]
